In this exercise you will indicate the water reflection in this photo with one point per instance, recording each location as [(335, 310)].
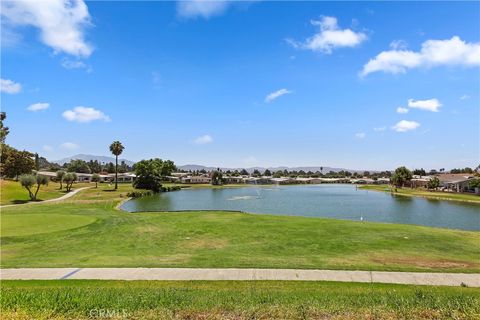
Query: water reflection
[(332, 201)]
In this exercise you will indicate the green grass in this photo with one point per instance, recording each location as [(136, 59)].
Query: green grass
[(12, 192), (220, 239), (425, 193), (29, 224), (83, 299)]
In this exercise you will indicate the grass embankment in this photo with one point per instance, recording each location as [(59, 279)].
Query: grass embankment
[(86, 231), (424, 193), (80, 299), (13, 193)]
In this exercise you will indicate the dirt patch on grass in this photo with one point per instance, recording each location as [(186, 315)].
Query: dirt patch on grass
[(203, 243), (422, 262), (294, 313), (150, 229)]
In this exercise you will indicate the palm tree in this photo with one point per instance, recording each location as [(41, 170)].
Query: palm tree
[(116, 148)]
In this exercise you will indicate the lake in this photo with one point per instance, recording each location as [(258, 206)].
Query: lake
[(338, 201)]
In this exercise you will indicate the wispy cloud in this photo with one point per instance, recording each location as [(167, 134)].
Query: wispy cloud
[(450, 52), (38, 106), (428, 105), (402, 110), (276, 94), (360, 135), (61, 23), (465, 97), (69, 146), (405, 125), (379, 129), (329, 37), (205, 139), (76, 64), (85, 114), (201, 8), (398, 45), (10, 86)]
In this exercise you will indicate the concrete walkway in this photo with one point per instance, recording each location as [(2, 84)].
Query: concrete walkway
[(415, 278), (65, 196)]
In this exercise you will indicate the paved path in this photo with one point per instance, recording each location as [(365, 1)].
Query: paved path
[(65, 196), (416, 278)]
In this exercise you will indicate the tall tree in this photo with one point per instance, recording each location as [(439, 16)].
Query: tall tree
[(433, 183), (149, 175), (60, 175), (79, 166), (116, 148), (217, 178), (110, 167), (69, 179), (401, 176), (15, 163), (96, 179), (37, 162), (29, 180), (3, 130)]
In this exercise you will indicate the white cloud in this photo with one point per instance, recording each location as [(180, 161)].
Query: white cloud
[(405, 125), (402, 110), (360, 135), (8, 37), (205, 139), (450, 52), (428, 105), (76, 64), (38, 106), (9, 86), (69, 146), (398, 45), (276, 94), (379, 129), (329, 37), (201, 8), (465, 97), (61, 22), (85, 114), (47, 148)]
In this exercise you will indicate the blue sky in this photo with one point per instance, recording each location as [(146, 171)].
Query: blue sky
[(359, 85)]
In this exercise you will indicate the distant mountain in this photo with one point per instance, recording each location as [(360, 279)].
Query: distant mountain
[(195, 167), (88, 157)]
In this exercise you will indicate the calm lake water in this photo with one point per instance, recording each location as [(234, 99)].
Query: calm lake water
[(326, 200)]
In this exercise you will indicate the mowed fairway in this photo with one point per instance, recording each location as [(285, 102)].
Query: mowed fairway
[(98, 235), (78, 299)]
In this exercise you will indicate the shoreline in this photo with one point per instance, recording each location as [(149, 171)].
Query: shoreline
[(368, 187)]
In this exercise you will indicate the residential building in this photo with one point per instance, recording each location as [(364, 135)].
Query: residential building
[(457, 182)]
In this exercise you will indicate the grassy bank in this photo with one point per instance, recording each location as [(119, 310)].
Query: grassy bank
[(86, 231), (13, 193), (424, 193), (76, 299)]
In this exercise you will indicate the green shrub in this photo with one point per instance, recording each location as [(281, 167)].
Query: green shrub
[(139, 194)]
